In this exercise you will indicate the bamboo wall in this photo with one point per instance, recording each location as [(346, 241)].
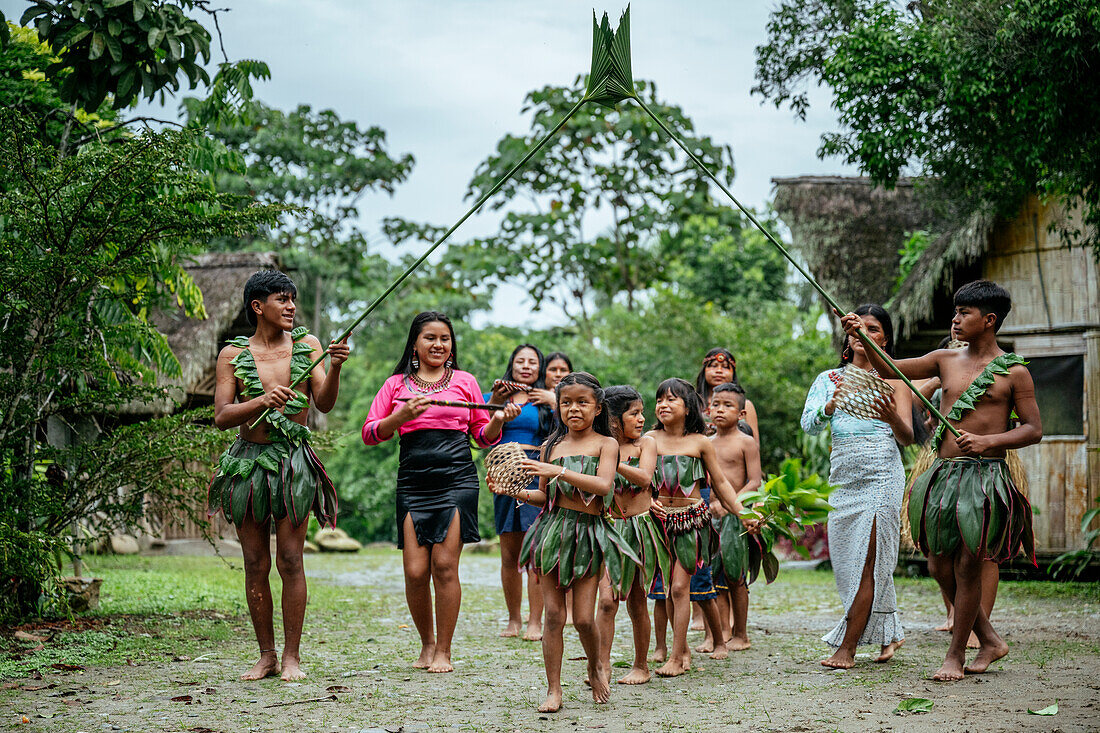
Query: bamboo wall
[(1055, 312)]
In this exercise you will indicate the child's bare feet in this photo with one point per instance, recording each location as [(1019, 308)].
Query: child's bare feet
[(291, 671), (698, 625), (841, 659), (441, 662), (706, 647), (636, 676), (987, 655), (266, 667), (598, 681), (511, 630), (427, 654), (533, 633), (674, 667), (720, 653), (951, 670), (552, 704), (738, 643), (972, 642), (889, 650), (660, 654), (948, 624)]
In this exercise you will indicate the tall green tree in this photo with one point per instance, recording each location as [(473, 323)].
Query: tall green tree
[(325, 165), (580, 221), (991, 99)]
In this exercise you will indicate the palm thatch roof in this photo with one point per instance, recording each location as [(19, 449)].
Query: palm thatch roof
[(850, 231), (220, 276)]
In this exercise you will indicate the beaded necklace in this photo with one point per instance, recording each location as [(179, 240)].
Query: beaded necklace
[(414, 383)]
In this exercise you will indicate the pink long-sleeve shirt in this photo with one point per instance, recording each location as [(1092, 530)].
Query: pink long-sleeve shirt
[(463, 387)]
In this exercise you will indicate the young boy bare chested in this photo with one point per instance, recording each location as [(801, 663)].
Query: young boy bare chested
[(271, 474), (739, 458), (965, 508)]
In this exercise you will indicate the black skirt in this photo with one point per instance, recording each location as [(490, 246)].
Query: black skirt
[(436, 477)]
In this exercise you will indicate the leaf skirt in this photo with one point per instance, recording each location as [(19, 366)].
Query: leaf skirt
[(741, 556), (575, 545), (973, 500), (271, 481), (644, 535)]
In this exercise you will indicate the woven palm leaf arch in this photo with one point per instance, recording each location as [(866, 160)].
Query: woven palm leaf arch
[(611, 82)]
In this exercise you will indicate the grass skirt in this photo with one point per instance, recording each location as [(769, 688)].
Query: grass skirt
[(642, 533), (975, 500), (272, 481), (575, 545)]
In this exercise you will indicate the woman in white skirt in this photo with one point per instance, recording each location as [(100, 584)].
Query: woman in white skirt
[(865, 524)]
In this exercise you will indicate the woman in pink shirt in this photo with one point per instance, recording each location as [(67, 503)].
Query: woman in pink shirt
[(437, 483)]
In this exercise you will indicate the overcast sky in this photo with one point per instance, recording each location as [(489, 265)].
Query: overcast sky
[(446, 80)]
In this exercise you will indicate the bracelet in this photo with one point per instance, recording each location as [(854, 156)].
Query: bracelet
[(560, 474)]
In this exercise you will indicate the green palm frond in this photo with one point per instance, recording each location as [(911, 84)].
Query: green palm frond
[(610, 80)]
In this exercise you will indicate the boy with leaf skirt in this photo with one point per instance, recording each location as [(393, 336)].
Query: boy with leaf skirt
[(966, 508), (270, 475)]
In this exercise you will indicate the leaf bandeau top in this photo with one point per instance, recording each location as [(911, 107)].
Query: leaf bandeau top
[(678, 474), (622, 485), (588, 465)]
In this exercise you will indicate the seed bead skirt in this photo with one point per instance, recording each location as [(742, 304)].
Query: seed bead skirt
[(436, 477)]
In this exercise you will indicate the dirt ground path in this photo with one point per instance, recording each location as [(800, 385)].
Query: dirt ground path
[(359, 644)]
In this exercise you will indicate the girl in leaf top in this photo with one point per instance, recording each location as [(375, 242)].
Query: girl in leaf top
[(684, 458), (437, 483), (571, 538), (526, 366), (632, 512)]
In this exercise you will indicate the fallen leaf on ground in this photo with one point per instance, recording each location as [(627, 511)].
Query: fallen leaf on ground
[(182, 698), (200, 729), (914, 705), (24, 636), (577, 659), (337, 688), (181, 659), (11, 685), (113, 683), (67, 667), (402, 626), (1048, 710)]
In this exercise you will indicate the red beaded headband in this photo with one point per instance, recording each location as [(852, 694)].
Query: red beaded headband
[(721, 359)]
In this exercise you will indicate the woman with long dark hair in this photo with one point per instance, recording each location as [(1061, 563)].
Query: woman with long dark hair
[(437, 482), (526, 368), (865, 523)]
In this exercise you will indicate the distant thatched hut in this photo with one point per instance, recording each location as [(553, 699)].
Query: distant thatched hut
[(850, 234)]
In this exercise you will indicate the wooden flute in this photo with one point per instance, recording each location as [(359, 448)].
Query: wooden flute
[(458, 403)]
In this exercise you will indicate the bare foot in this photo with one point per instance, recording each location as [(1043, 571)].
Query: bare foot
[(841, 659), (659, 655), (511, 630), (987, 655), (533, 633), (266, 667), (636, 676), (706, 647), (672, 668), (951, 670), (427, 654), (552, 704), (889, 650), (698, 625), (720, 653), (972, 642), (441, 663), (738, 643), (291, 671), (598, 681), (947, 625)]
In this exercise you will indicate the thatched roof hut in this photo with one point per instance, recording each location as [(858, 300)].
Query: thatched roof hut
[(196, 343), (850, 231)]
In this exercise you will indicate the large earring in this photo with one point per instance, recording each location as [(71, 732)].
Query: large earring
[(415, 361), (846, 355), (450, 360)]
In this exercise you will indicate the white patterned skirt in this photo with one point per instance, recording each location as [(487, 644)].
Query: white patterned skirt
[(870, 481)]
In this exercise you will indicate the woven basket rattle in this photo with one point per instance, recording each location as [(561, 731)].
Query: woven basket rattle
[(503, 464), (857, 392)]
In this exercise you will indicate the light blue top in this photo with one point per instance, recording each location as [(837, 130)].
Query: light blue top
[(843, 425)]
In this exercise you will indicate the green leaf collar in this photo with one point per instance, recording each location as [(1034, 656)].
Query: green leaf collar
[(282, 429), (969, 399)]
